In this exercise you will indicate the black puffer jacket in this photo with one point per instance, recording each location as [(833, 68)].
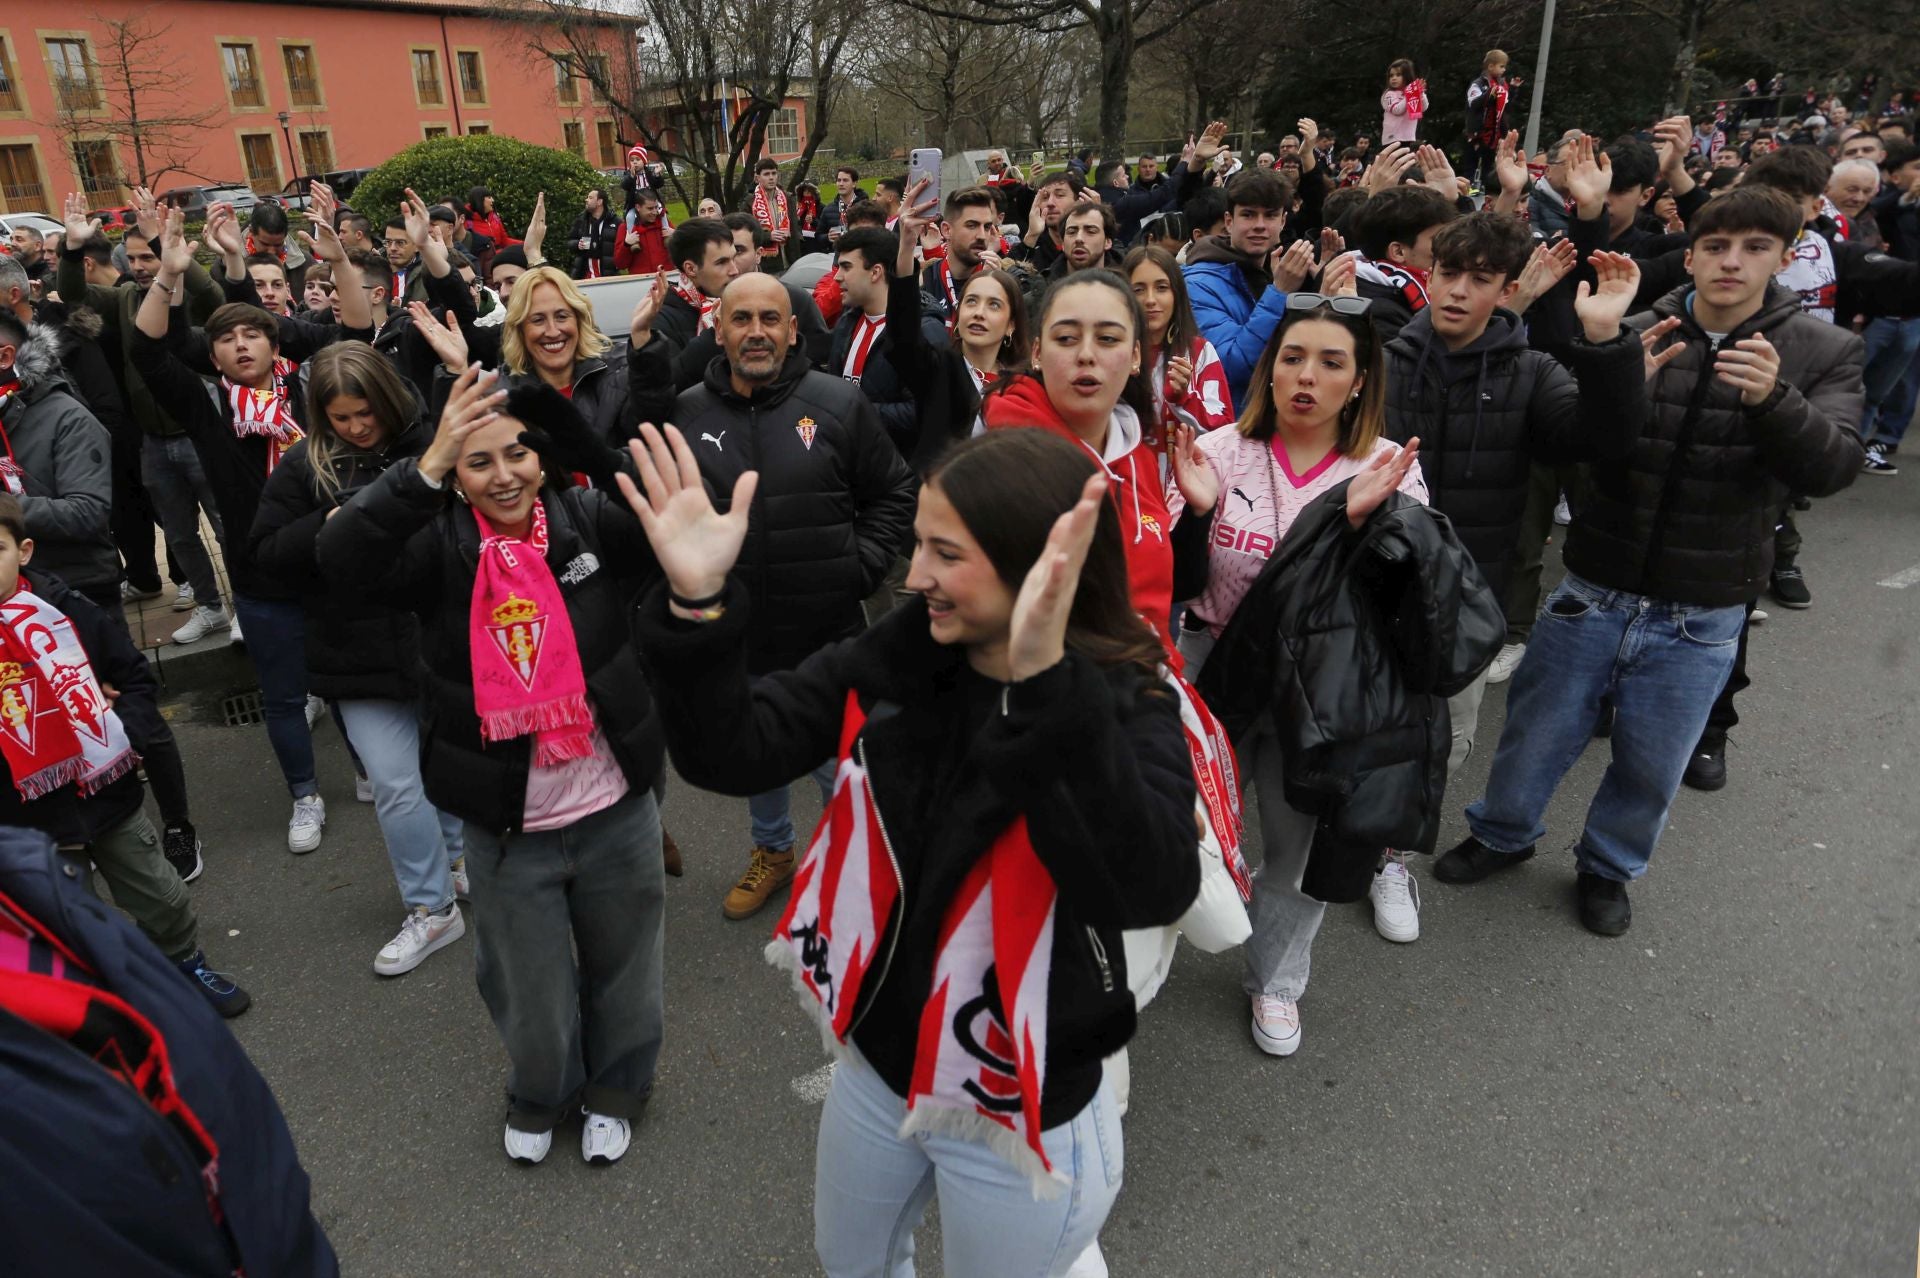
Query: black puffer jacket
[(1350, 641), (1485, 413), (1688, 515), (833, 508), (1095, 758), (409, 545), (356, 648)]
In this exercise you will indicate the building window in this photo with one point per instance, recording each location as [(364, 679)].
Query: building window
[(432, 131), (783, 132), (243, 75), (473, 130), (602, 75), (20, 184), (9, 94), (611, 155), (316, 151), (70, 63), (573, 136), (565, 86), (473, 81), (98, 167), (426, 78), (263, 164), (303, 75)]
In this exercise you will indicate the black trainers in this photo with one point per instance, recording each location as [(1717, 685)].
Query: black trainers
[(1604, 908), (1880, 462), (181, 846), (1470, 860), (1789, 587), (221, 990), (1707, 768)]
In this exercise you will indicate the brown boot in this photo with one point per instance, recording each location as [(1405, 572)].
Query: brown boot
[(766, 874), (670, 853)]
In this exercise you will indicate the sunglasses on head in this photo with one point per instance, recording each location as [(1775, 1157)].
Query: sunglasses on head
[(1339, 305)]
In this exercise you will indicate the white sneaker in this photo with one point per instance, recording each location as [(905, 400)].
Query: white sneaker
[(183, 599), (528, 1147), (202, 623), (1562, 513), (1506, 662), (1757, 616), (419, 936), (362, 790), (315, 708), (604, 1139), (462, 885), (1396, 902), (234, 637), (309, 819), (1276, 1025)]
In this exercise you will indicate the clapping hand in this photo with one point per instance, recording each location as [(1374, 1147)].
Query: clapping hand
[(1366, 490), (1752, 365), (1437, 171), (1179, 376), (1589, 178), (1601, 306), (1209, 143), (1291, 266), (447, 341), (223, 233), (1340, 277), (80, 227), (1545, 268), (640, 332), (321, 204), (324, 243), (1037, 632), (473, 403), (1387, 171), (695, 544), (146, 214), (1192, 472), (1509, 165), (1652, 337), (176, 254)]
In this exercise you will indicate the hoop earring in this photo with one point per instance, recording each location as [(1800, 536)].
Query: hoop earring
[(461, 493), (543, 478)]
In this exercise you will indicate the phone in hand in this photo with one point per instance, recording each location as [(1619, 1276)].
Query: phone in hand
[(924, 162)]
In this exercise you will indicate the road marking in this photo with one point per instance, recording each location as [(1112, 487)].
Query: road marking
[(812, 1088), (1902, 579)]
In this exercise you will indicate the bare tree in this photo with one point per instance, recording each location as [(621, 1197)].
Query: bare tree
[(134, 92)]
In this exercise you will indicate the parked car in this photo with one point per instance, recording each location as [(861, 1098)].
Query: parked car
[(193, 200), (615, 296), (38, 221), (125, 215)]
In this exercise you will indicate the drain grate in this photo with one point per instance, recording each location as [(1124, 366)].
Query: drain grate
[(242, 708)]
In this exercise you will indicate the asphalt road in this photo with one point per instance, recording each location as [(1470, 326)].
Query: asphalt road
[(1729, 1089)]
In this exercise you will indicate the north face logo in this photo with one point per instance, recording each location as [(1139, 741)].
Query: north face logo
[(584, 565)]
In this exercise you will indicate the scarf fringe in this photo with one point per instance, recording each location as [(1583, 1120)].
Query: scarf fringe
[(51, 778), (125, 763), (780, 956), (557, 715), (935, 1119)]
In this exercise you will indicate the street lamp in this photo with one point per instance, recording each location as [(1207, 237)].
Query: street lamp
[(874, 109), (1532, 142), (293, 160)]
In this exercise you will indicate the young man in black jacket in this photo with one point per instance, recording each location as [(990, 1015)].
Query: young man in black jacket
[(833, 508), (1749, 400), (864, 261)]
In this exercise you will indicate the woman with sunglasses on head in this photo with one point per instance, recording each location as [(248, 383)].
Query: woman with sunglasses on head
[(1313, 420)]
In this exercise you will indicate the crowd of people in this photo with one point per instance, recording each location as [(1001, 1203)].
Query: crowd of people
[(1061, 510)]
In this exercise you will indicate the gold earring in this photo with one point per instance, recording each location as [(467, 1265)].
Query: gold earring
[(543, 477), (461, 493)]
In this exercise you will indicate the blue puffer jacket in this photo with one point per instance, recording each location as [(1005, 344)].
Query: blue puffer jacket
[(1230, 316), (96, 1180)]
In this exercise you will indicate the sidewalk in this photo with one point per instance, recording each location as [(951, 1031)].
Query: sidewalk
[(211, 662)]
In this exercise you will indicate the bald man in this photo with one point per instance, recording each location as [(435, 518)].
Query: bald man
[(834, 506)]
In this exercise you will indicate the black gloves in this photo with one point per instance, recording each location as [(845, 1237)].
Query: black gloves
[(557, 432)]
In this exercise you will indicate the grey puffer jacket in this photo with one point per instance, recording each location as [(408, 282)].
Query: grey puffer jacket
[(1688, 515), (65, 458)]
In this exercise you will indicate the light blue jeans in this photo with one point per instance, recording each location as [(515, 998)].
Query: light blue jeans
[(422, 841), (771, 813), (1893, 355), (871, 1189), (1662, 663)]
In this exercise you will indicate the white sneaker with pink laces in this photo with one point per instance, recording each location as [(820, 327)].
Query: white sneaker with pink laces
[(1276, 1025)]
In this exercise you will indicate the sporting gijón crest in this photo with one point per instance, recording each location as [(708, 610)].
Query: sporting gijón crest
[(517, 629), (17, 708)]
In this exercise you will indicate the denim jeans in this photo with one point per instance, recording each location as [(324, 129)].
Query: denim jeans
[(871, 1188), (180, 492), (276, 633), (1285, 920), (1893, 356), (771, 813), (589, 1034), (1661, 663), (422, 841)]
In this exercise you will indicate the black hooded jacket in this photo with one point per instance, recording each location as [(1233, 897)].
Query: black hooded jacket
[(1486, 413)]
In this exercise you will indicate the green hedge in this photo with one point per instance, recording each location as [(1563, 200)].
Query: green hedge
[(515, 171)]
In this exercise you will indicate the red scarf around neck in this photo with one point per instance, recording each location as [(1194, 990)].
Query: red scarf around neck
[(770, 213), (266, 411)]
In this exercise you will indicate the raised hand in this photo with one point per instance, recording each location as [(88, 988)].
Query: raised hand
[(1211, 139), (1601, 305), (640, 332), (321, 204), (1331, 244), (537, 231), (324, 243), (80, 227), (176, 254), (1508, 165), (1309, 132), (1436, 171), (473, 403), (420, 230), (222, 231), (695, 544), (916, 215), (1589, 177), (1291, 266), (447, 341), (146, 214), (1192, 472), (1186, 152), (1652, 337), (1037, 632), (1752, 365), (1340, 277), (1387, 171), (1366, 490), (1545, 268)]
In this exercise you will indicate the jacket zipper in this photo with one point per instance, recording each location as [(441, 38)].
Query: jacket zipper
[(899, 916), (1100, 957), (1669, 486)]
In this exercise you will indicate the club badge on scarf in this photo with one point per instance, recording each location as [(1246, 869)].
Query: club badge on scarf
[(526, 667), (980, 1062), (266, 412), (56, 724)]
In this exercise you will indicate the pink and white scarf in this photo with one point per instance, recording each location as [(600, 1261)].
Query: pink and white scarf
[(266, 411), (526, 666)]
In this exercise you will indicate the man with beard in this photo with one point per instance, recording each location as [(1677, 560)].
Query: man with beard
[(833, 508), (973, 242), (815, 341), (1089, 233), (1041, 246)]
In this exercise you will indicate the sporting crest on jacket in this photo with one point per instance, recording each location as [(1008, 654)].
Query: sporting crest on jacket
[(518, 626), (807, 428)]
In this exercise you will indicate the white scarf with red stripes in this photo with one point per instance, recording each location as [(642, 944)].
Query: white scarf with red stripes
[(980, 1066), (703, 306), (266, 412), (771, 212)]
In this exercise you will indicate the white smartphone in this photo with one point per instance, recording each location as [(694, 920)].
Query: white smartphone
[(924, 162)]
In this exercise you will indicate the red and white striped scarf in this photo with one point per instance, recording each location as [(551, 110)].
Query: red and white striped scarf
[(266, 412), (12, 478), (772, 214), (703, 306), (980, 1065)]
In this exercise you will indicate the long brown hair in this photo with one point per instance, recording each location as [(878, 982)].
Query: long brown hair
[(1008, 487), (1017, 348), (1362, 421), (355, 369), (1182, 328), (1137, 394)]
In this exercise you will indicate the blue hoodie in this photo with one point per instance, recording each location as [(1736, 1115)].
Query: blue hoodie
[(1238, 323)]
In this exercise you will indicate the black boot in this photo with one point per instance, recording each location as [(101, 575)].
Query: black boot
[(1604, 907), (1470, 860), (1788, 586), (1707, 769)]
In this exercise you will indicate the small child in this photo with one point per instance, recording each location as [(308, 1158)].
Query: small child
[(1402, 103), (74, 696), (1487, 114)]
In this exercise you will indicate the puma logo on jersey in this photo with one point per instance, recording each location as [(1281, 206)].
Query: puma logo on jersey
[(1243, 497), (713, 439)]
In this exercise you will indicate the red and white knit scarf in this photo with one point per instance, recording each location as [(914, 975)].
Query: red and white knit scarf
[(770, 213), (980, 1064), (56, 724), (12, 478), (266, 411), (526, 665), (703, 305)]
